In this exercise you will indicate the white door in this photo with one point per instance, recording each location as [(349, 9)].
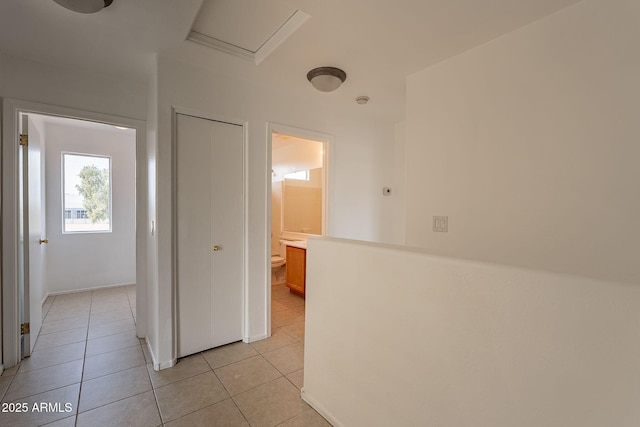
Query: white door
[(210, 233), (32, 233)]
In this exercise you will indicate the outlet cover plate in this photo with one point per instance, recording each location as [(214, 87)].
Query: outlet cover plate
[(441, 224)]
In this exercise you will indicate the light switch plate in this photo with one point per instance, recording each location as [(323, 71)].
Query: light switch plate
[(441, 224)]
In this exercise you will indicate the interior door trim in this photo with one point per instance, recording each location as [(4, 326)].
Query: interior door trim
[(327, 140), (11, 110)]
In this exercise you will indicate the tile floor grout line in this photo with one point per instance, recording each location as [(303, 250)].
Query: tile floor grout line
[(13, 377), (48, 367), (129, 299), (185, 378), (45, 367), (115, 372), (289, 419), (111, 351), (297, 312), (84, 360), (240, 410), (155, 398), (63, 330), (118, 400), (58, 346), (220, 381), (115, 401), (46, 391)]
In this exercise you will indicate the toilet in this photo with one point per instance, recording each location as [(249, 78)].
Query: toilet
[(278, 270)]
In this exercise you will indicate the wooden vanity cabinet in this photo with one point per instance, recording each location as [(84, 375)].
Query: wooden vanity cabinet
[(296, 269)]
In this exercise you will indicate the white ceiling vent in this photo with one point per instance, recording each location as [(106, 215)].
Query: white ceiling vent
[(249, 29)]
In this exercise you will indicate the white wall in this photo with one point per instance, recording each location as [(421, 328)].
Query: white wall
[(398, 191), (69, 92), (529, 144), (276, 218), (359, 167), (420, 340), (79, 261), (33, 81)]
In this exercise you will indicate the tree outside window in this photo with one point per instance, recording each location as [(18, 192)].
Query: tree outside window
[(87, 193)]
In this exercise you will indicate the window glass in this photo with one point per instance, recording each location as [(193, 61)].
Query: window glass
[(299, 175), (87, 193)]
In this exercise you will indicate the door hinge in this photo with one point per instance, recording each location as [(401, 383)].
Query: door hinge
[(25, 329), (24, 140)]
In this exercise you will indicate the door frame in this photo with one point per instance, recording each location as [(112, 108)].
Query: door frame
[(175, 110), (327, 141), (10, 193)]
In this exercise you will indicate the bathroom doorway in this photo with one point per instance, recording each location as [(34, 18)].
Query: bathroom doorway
[(298, 204)]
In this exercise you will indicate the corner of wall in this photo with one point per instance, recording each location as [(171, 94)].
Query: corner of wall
[(151, 286), (1, 76), (158, 366), (400, 181), (319, 408)]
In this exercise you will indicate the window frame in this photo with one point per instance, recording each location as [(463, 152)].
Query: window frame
[(62, 191)]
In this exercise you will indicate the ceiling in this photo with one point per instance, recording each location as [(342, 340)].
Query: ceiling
[(219, 25), (378, 43), (292, 154)]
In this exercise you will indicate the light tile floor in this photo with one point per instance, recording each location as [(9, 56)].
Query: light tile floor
[(87, 355)]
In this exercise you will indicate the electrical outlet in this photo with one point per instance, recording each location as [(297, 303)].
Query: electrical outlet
[(386, 191), (441, 223)]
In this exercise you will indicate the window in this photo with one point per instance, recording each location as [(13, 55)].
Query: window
[(87, 193), (299, 175)]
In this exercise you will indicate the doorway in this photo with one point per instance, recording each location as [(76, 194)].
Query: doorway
[(298, 208), (35, 270)]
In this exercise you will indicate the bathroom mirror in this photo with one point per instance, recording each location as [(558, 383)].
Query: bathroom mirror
[(298, 181)]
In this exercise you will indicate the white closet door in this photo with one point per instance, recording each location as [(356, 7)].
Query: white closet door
[(210, 234)]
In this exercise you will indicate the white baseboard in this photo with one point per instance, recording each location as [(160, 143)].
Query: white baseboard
[(164, 365), (158, 366), (256, 338), (320, 409), (44, 298), (93, 288)]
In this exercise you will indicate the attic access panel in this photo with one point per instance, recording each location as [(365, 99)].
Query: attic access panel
[(250, 29)]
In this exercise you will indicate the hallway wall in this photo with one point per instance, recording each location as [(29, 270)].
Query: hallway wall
[(87, 92), (529, 143), (361, 163), (82, 261), (420, 340), (84, 90)]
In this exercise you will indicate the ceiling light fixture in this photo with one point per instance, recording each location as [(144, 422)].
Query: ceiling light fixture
[(84, 6), (326, 79), (362, 100)]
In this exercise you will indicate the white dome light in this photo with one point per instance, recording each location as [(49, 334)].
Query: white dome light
[(84, 6), (326, 79)]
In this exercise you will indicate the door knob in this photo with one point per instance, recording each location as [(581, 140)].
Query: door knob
[(216, 248), (41, 241)]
